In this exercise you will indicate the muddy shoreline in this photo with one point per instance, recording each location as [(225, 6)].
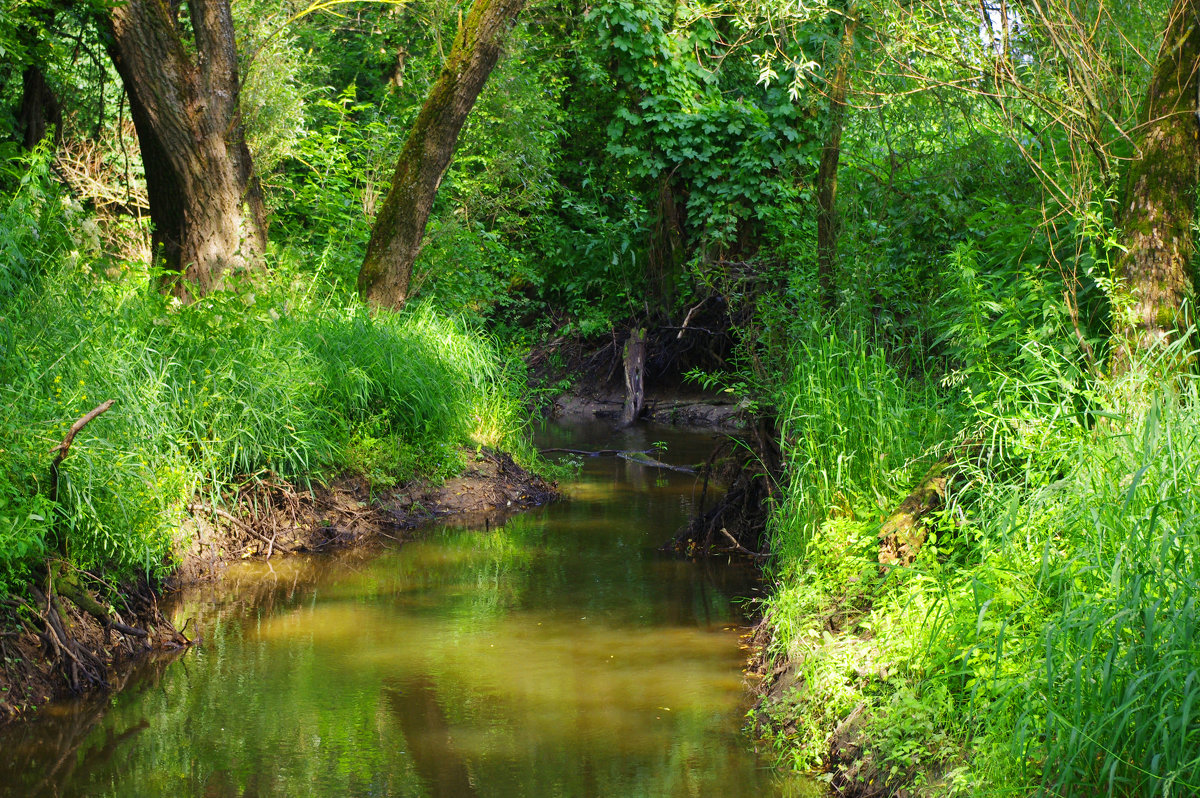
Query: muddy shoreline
[(51, 647)]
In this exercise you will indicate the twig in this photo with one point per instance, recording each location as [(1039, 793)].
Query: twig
[(688, 318), (739, 547), (65, 446), (217, 511)]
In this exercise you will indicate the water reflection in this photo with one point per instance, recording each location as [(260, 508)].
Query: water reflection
[(557, 655)]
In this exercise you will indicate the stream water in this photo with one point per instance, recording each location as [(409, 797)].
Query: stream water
[(556, 653)]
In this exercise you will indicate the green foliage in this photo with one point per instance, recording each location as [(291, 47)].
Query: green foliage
[(851, 426), (245, 381), (273, 85), (680, 120), (1044, 638), (336, 174)]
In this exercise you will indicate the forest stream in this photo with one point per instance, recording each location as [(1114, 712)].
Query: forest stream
[(555, 653)]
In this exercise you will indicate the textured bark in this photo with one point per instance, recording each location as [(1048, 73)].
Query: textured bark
[(903, 534), (827, 219), (207, 217), (668, 247), (396, 237), (1160, 190), (635, 369)]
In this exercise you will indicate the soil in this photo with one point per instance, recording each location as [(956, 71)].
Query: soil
[(278, 518), (52, 647)]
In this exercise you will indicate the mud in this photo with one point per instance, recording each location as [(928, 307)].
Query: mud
[(270, 518), (56, 650)]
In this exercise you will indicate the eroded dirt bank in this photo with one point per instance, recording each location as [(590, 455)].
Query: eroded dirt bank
[(53, 646)]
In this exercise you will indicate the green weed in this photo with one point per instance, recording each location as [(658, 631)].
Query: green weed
[(269, 377)]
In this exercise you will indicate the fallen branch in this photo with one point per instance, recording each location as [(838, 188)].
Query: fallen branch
[(597, 452), (742, 549), (903, 533), (65, 446), (652, 463), (236, 522)]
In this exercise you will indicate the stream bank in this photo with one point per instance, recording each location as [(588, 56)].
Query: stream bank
[(52, 647), (557, 653)]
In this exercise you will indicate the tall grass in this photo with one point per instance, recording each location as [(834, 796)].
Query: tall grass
[(1044, 642), (1115, 707), (852, 429), (269, 377)]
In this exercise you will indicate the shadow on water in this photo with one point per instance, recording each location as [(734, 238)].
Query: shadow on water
[(555, 653)]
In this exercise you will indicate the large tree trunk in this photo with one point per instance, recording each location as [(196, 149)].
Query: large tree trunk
[(203, 203), (400, 226), (1160, 190), (827, 218)]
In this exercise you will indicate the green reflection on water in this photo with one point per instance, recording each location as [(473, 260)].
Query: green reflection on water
[(556, 655)]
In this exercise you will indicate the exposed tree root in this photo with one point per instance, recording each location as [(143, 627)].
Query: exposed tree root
[(736, 522)]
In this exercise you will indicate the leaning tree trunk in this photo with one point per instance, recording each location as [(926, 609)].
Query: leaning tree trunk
[(396, 238), (1160, 189), (827, 219), (184, 102)]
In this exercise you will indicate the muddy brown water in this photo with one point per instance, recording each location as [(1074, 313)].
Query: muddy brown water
[(555, 653)]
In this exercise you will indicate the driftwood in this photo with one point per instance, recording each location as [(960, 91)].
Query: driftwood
[(738, 547), (595, 452), (639, 456), (650, 462)]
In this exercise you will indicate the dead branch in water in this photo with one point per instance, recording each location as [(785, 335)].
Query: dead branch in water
[(738, 547), (625, 454), (597, 452)]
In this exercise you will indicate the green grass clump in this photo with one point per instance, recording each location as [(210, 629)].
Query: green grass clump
[(1044, 642), (268, 376)]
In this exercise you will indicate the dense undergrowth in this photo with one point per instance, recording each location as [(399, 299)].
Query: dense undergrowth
[(279, 376), (1044, 638)]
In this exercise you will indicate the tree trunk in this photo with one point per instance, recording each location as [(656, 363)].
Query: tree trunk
[(39, 107), (203, 203), (1160, 189), (827, 219), (635, 367), (396, 237)]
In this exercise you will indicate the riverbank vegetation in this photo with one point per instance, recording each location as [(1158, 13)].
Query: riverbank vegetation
[(269, 379), (941, 253)]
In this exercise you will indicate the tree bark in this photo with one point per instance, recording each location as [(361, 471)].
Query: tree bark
[(396, 237), (39, 108), (1160, 189), (827, 219), (635, 367), (206, 212)]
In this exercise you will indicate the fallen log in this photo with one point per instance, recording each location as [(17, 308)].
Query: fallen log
[(904, 532)]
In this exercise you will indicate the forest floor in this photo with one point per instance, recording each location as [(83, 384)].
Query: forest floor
[(51, 648)]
